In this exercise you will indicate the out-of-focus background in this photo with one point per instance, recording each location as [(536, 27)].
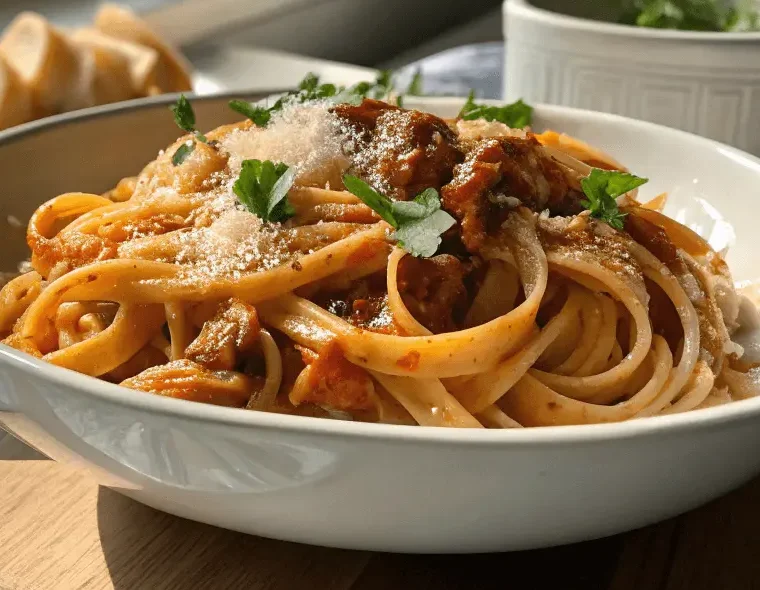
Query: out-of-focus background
[(362, 32), (63, 55), (371, 33), (258, 46)]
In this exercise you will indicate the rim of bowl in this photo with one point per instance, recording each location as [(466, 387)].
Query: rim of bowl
[(558, 19), (708, 418)]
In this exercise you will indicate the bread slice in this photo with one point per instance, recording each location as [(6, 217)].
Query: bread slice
[(122, 23), (16, 105), (113, 78), (124, 70), (43, 57)]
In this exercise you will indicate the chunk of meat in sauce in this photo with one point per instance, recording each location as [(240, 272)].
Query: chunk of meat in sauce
[(434, 291), (505, 167), (364, 305), (233, 329), (399, 152), (652, 237), (333, 381), (293, 366)]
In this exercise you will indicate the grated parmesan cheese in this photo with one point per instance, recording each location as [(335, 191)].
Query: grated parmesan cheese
[(306, 137), (235, 244)]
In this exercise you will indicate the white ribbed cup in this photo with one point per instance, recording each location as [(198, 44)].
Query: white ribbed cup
[(706, 83)]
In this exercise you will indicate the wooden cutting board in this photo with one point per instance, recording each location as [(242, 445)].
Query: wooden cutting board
[(60, 530)]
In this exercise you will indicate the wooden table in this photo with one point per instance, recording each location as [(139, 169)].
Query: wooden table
[(59, 530)]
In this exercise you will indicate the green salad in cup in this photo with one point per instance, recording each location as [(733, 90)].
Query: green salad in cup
[(693, 15)]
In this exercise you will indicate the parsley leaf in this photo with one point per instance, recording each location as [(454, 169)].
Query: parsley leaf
[(184, 117), (182, 153), (263, 187), (419, 224), (602, 187), (422, 238), (423, 205), (309, 83), (516, 115), (380, 204), (259, 115)]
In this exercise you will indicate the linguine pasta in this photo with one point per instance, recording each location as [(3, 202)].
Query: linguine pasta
[(533, 311)]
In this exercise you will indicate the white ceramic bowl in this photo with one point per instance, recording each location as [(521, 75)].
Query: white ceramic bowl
[(368, 486), (706, 83)]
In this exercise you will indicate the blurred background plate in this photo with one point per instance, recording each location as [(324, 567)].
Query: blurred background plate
[(456, 71), (452, 72), (221, 68)]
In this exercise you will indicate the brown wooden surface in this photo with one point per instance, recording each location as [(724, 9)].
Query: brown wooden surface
[(59, 530)]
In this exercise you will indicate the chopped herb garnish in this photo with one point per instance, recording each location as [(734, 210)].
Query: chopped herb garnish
[(353, 95), (415, 86), (360, 89), (380, 89), (182, 153), (309, 83), (602, 187), (259, 115), (419, 224), (383, 85), (263, 187), (516, 115), (310, 89), (184, 117)]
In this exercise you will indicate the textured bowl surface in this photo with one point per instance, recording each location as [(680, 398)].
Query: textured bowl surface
[(706, 83), (368, 486)]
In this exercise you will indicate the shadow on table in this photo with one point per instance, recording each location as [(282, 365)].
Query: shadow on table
[(145, 548), (13, 449)]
